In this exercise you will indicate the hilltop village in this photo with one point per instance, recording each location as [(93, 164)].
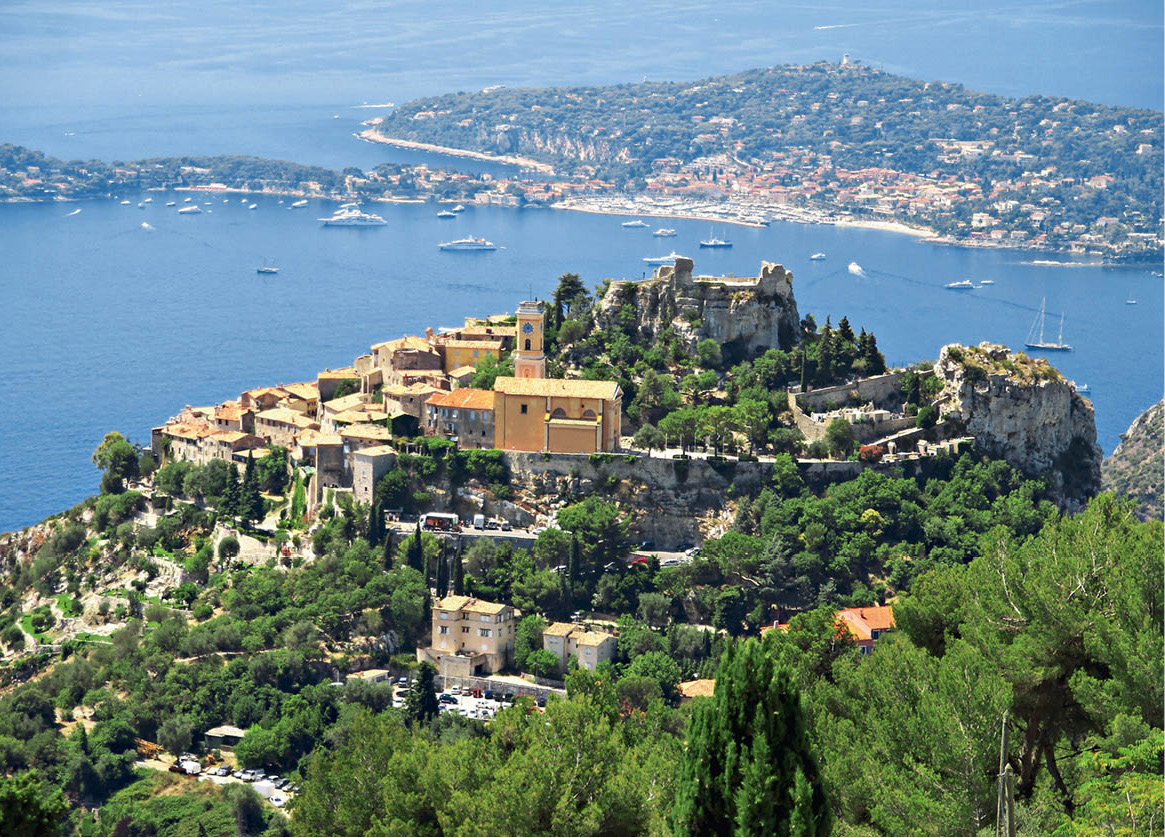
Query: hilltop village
[(593, 521)]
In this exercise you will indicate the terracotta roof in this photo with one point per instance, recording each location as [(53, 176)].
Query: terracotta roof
[(558, 629), (457, 372), (411, 390), (303, 390), (407, 342), (569, 388), (229, 411), (364, 431), (471, 604), (345, 402), (312, 436), (284, 415), (229, 436), (861, 622), (342, 372), (700, 687), (466, 398), (264, 391), (375, 451), (591, 638), (473, 344), (189, 430)]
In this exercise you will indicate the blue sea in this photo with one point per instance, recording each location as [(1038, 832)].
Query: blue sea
[(109, 325)]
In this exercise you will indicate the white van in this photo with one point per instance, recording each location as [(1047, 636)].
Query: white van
[(479, 522)]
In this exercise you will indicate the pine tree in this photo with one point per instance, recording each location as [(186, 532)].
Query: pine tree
[(749, 769), (844, 331), (875, 361)]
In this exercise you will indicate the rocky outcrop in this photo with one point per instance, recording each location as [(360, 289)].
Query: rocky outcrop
[(1022, 410), (1135, 467), (745, 316)]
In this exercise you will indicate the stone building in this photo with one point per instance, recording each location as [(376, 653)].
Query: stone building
[(470, 637), (465, 416)]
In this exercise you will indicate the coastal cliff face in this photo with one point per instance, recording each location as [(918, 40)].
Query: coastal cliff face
[(1023, 411), (745, 316), (1135, 467)]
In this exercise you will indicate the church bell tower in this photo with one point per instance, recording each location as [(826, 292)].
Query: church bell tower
[(529, 362)]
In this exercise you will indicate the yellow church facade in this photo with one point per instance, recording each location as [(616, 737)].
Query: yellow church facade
[(535, 413)]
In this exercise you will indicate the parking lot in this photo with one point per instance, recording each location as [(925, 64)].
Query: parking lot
[(464, 703)]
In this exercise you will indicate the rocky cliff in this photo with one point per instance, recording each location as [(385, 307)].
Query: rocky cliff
[(745, 316), (1135, 468), (1022, 410)]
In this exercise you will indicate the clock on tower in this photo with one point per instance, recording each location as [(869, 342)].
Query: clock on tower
[(529, 362)]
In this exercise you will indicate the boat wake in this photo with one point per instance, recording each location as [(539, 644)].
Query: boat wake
[(71, 214)]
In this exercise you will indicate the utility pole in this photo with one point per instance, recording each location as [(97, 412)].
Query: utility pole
[(1005, 797)]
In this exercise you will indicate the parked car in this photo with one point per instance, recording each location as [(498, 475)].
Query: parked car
[(492, 524), (455, 691), (541, 702), (645, 545), (238, 774), (669, 563), (508, 697), (476, 692), (506, 526), (402, 681), (445, 698), (222, 771)]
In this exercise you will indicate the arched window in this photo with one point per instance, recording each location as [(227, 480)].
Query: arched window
[(558, 413), (588, 414), (527, 344)]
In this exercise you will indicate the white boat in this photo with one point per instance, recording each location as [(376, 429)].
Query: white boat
[(855, 269), (1129, 301), (446, 214), (206, 203), (190, 210), (148, 201), (350, 215), (126, 203), (664, 233), (1080, 388), (74, 212), (170, 203), (147, 226), (252, 206), (299, 204), (458, 208), (816, 257), (638, 222), (961, 285), (267, 268), (468, 243), (186, 200), (986, 282), (670, 259), (226, 200), (141, 205), (1034, 342), (715, 242)]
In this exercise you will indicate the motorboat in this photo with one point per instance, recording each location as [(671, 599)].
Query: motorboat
[(638, 222), (663, 260), (816, 257), (664, 233), (350, 215), (961, 285), (190, 210), (468, 243)]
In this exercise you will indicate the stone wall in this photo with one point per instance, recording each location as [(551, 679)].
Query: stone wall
[(745, 316), (882, 390)]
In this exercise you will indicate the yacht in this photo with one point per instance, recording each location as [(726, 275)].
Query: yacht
[(1080, 388), (458, 208), (446, 214), (350, 215), (1033, 342), (961, 285), (638, 222), (267, 269), (664, 233), (141, 205), (299, 204), (170, 203), (126, 203), (715, 242), (186, 200), (148, 201), (663, 260), (190, 210), (252, 206), (816, 257), (468, 243), (986, 282)]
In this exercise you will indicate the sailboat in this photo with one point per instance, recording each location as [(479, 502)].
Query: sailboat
[(1130, 300), (1040, 343), (712, 241), (267, 268)]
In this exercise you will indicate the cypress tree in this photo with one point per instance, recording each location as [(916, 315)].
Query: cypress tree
[(573, 564), (386, 556), (416, 552), (442, 575), (421, 702), (230, 498), (749, 769), (458, 576), (250, 502), (376, 522)]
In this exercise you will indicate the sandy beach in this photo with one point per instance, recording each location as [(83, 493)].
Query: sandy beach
[(371, 135), (887, 227)]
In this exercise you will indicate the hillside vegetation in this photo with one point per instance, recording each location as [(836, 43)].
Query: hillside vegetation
[(1136, 466)]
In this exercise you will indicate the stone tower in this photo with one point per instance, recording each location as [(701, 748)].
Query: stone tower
[(529, 362)]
